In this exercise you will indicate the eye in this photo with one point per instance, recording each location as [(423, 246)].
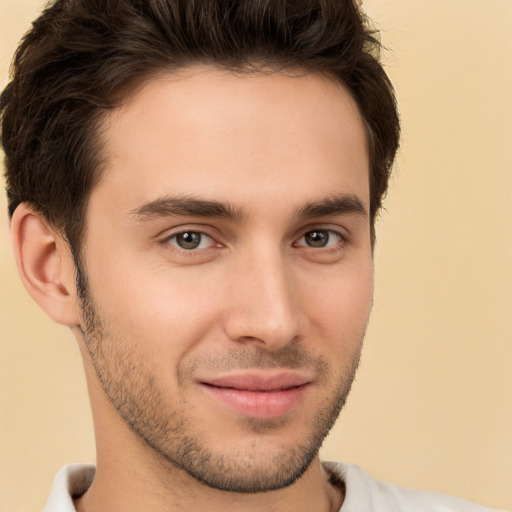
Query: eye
[(319, 238), (190, 240)]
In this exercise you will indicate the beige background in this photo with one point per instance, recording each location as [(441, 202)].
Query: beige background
[(432, 404)]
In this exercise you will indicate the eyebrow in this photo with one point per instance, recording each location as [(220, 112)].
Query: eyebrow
[(334, 205), (168, 206)]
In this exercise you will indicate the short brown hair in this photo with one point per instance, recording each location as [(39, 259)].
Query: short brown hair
[(84, 56)]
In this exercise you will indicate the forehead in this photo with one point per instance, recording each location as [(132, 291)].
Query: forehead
[(221, 135)]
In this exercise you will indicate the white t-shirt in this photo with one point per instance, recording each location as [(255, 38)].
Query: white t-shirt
[(362, 492)]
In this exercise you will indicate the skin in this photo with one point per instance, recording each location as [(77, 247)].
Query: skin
[(257, 295)]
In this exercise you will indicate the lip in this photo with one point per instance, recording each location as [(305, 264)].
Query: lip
[(257, 394)]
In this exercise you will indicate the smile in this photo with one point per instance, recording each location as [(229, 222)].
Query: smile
[(257, 395)]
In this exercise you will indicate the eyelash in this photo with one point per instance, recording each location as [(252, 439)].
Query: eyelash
[(327, 248), (191, 251), (330, 233)]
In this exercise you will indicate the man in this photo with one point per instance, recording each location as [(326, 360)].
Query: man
[(193, 190)]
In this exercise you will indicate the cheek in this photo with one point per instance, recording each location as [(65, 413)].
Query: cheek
[(156, 309), (168, 311), (340, 306)]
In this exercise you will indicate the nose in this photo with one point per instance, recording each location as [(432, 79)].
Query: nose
[(265, 307)]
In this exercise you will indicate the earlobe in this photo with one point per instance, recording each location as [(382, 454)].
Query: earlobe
[(45, 265)]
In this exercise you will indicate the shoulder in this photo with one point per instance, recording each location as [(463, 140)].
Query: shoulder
[(366, 494)]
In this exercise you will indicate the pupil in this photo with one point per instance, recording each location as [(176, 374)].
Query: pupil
[(189, 240), (317, 238)]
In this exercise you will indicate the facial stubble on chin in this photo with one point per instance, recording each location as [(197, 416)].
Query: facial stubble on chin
[(132, 388)]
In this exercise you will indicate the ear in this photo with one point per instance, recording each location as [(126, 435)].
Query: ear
[(45, 265)]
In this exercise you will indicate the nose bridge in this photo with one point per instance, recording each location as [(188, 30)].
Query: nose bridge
[(265, 306)]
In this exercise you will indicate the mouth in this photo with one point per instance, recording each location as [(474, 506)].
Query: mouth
[(258, 395)]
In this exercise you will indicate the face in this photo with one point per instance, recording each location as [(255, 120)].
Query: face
[(229, 270)]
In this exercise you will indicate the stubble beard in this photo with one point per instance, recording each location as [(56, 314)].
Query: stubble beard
[(132, 388)]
